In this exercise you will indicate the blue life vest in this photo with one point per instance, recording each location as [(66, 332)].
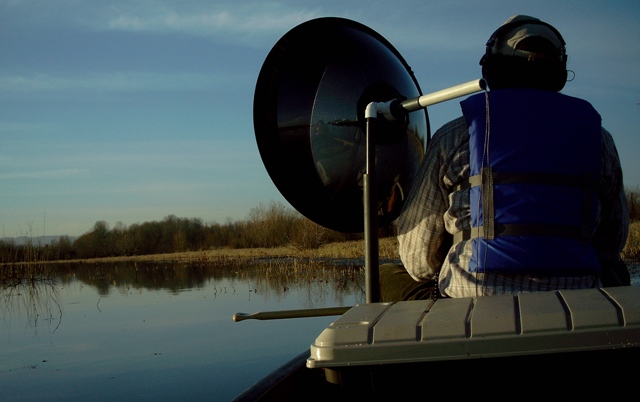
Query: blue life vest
[(533, 199)]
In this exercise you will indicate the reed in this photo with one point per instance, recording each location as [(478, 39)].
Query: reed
[(631, 251)]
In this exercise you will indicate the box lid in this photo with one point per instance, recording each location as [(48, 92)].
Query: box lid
[(490, 326)]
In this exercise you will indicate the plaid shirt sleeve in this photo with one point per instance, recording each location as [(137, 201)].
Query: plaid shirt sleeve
[(422, 232), (613, 228)]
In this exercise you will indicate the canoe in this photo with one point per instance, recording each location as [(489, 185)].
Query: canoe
[(568, 342)]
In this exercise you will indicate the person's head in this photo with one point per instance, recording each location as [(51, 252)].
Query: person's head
[(525, 53)]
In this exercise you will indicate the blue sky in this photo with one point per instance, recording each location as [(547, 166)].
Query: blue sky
[(134, 110)]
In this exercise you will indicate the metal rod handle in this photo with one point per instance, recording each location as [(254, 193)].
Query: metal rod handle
[(278, 315)]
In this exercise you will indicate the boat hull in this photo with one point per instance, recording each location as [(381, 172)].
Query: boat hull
[(565, 343), (572, 374)]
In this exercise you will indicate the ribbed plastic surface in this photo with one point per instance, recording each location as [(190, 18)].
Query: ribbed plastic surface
[(531, 323)]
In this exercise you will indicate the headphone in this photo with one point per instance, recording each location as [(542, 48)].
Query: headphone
[(500, 69)]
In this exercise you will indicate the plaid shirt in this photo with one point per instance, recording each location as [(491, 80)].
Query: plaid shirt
[(433, 212)]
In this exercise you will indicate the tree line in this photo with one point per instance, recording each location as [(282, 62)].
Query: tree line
[(267, 226)]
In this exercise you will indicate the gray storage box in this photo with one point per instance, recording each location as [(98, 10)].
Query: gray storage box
[(494, 326)]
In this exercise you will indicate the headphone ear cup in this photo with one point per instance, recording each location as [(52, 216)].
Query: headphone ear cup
[(561, 79), (487, 71), (497, 71)]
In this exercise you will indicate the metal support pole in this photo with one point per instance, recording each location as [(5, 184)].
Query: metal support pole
[(372, 274)]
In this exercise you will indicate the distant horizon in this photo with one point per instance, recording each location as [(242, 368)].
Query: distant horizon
[(46, 239), (111, 224)]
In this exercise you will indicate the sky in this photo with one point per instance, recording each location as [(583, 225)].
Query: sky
[(132, 110)]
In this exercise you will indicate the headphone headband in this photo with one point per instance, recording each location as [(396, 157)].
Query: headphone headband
[(512, 25)]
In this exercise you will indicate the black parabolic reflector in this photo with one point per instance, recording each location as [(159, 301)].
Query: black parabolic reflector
[(309, 122)]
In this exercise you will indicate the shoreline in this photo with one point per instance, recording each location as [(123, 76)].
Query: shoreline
[(348, 250), (388, 249)]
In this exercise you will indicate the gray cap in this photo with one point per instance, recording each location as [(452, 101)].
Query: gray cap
[(508, 41)]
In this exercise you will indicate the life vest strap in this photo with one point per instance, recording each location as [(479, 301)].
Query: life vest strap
[(587, 183), (488, 178), (520, 229)]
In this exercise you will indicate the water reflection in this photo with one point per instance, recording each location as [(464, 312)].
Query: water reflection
[(29, 297), (32, 294), (158, 330)]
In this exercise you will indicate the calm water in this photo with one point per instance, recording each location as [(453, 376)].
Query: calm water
[(159, 332)]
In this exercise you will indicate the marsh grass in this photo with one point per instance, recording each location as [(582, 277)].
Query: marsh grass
[(29, 294), (319, 281), (347, 251), (631, 251)]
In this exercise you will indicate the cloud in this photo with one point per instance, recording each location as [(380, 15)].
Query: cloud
[(107, 82), (43, 174), (244, 21)]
